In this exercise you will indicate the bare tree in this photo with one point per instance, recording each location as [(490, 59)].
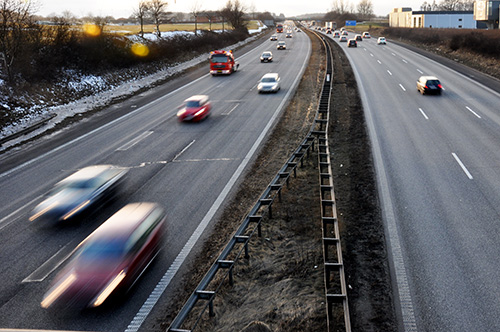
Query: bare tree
[(195, 10), (365, 9), (141, 13), (18, 31), (341, 7), (157, 10), (234, 13), (211, 15)]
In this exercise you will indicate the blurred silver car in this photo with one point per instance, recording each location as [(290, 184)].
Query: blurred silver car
[(86, 188), (270, 82)]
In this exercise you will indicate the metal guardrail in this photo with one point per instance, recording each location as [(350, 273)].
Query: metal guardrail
[(242, 238), (335, 288), (238, 245)]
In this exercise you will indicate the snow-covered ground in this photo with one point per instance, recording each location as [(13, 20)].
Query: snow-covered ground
[(51, 116)]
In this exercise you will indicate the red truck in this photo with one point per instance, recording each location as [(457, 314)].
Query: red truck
[(222, 62), (279, 28)]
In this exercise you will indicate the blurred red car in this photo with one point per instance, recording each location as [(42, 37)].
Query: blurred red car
[(110, 260), (195, 108)]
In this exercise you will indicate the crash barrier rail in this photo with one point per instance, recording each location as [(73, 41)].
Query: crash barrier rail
[(264, 206), (242, 236), (335, 283)]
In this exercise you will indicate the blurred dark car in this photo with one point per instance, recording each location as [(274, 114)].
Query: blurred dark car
[(195, 108), (358, 38), (87, 188), (352, 43), (110, 260), (429, 85)]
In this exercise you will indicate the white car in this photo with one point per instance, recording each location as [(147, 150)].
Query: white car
[(270, 82), (281, 45), (381, 41)]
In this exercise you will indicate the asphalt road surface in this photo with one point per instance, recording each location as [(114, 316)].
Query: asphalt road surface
[(438, 169), (188, 168)]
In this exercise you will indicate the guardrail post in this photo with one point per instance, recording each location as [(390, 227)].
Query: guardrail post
[(243, 239), (227, 265), (207, 295)]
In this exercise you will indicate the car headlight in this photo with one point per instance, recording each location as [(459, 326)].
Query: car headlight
[(110, 287)]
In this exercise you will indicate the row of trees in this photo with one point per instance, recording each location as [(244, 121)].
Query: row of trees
[(155, 10), (448, 5), (343, 10), (33, 51)]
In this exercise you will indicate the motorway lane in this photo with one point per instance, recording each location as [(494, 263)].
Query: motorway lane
[(184, 167), (440, 157)]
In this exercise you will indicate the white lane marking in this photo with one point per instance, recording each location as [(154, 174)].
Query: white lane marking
[(470, 110), (462, 165), (184, 150), (153, 298), (109, 124), (379, 62), (389, 73), (405, 61), (393, 54), (3, 221), (371, 54), (421, 72), (393, 238), (402, 87), (133, 142), (231, 110), (49, 266), (423, 113)]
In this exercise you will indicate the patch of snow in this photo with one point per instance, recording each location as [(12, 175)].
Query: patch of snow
[(57, 114)]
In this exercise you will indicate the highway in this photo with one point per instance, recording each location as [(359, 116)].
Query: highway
[(438, 173), (188, 168)]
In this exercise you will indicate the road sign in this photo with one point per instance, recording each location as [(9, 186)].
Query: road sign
[(350, 23)]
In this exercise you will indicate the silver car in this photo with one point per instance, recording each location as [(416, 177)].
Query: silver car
[(88, 187), (270, 82)]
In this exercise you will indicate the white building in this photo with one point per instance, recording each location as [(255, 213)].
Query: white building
[(406, 18)]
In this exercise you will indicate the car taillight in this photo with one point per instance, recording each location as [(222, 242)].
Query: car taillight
[(439, 86)]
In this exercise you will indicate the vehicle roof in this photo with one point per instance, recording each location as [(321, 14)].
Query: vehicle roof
[(271, 75), (429, 78), (89, 172), (125, 221), (196, 98)]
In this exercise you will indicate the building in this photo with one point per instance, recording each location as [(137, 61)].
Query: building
[(406, 18), (487, 12)]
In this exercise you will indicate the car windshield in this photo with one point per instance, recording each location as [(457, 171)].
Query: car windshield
[(192, 103), (218, 58), (81, 184), (268, 80), (433, 82), (102, 249)]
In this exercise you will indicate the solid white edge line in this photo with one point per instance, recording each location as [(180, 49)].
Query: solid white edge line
[(402, 87), (466, 171), (394, 243), (153, 298)]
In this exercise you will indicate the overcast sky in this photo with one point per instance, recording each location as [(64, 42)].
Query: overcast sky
[(124, 8)]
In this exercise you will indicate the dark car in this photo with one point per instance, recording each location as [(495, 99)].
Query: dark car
[(88, 187), (266, 56), (110, 260), (358, 38), (352, 43), (195, 108), (429, 85)]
